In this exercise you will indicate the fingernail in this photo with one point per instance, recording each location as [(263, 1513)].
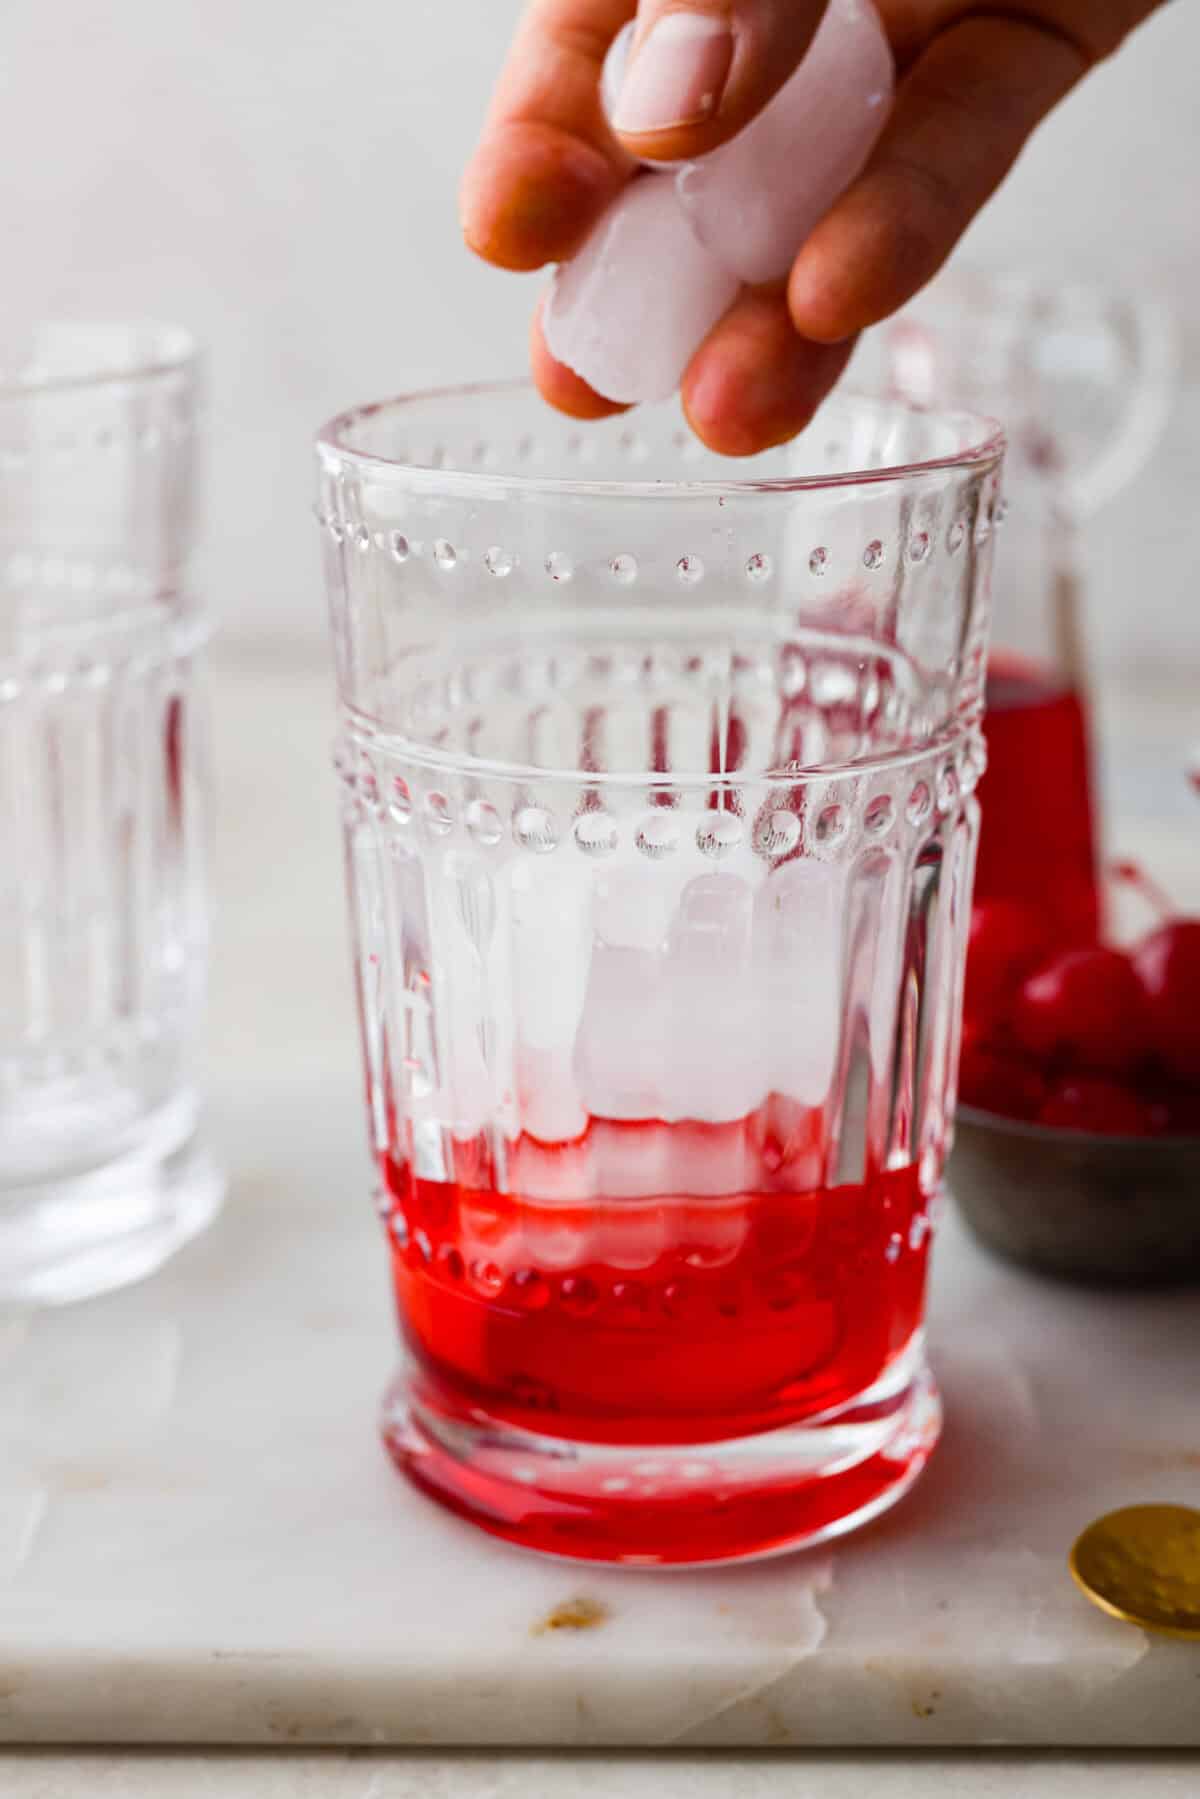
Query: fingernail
[(677, 76)]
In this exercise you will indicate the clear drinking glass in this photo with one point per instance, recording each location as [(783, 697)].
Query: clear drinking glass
[(657, 775), (102, 933)]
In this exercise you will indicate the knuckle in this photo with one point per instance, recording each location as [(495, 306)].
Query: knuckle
[(1095, 31), (927, 199), (1091, 31)]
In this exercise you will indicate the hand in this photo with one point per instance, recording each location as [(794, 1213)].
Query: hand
[(973, 80)]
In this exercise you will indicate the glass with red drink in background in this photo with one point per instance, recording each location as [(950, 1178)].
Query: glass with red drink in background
[(1073, 1030), (1039, 846)]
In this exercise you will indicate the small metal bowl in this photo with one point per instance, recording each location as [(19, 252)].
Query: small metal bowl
[(1115, 1210)]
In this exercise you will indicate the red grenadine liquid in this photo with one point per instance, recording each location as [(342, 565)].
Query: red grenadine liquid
[(661, 1317), (1038, 843)]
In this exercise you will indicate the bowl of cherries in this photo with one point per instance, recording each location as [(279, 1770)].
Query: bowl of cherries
[(1077, 1147)]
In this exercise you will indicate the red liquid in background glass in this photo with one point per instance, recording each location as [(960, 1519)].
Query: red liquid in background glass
[(657, 1320), (1037, 842)]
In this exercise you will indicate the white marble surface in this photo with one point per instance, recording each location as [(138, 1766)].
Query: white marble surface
[(41, 1774), (200, 1541), (203, 1541)]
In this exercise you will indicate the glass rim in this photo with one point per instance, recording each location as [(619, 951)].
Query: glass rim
[(985, 448), (152, 347)]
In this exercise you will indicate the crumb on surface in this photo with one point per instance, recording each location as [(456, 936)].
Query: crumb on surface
[(926, 1708), (573, 1614)]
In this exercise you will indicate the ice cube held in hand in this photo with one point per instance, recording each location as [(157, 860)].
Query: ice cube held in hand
[(755, 200), (629, 310)]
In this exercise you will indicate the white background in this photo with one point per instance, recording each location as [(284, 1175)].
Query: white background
[(282, 177)]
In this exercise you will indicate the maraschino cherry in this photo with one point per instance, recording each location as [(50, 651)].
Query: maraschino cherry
[(1082, 1036), (1168, 965), (1085, 1008), (997, 1082)]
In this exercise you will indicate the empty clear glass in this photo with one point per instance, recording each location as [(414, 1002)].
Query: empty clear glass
[(102, 927), (657, 775)]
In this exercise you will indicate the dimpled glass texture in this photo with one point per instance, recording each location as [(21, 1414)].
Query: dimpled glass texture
[(657, 778), (103, 1172)]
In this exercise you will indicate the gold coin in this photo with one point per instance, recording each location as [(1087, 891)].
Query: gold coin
[(1143, 1564)]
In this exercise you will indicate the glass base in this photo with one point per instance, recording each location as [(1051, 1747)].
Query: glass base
[(86, 1233), (671, 1507)]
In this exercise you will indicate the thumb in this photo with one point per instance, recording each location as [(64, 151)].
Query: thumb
[(697, 71)]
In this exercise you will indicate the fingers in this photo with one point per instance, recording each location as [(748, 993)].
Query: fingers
[(547, 164), (751, 384), (962, 115), (1094, 27), (559, 385), (701, 69), (754, 383)]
